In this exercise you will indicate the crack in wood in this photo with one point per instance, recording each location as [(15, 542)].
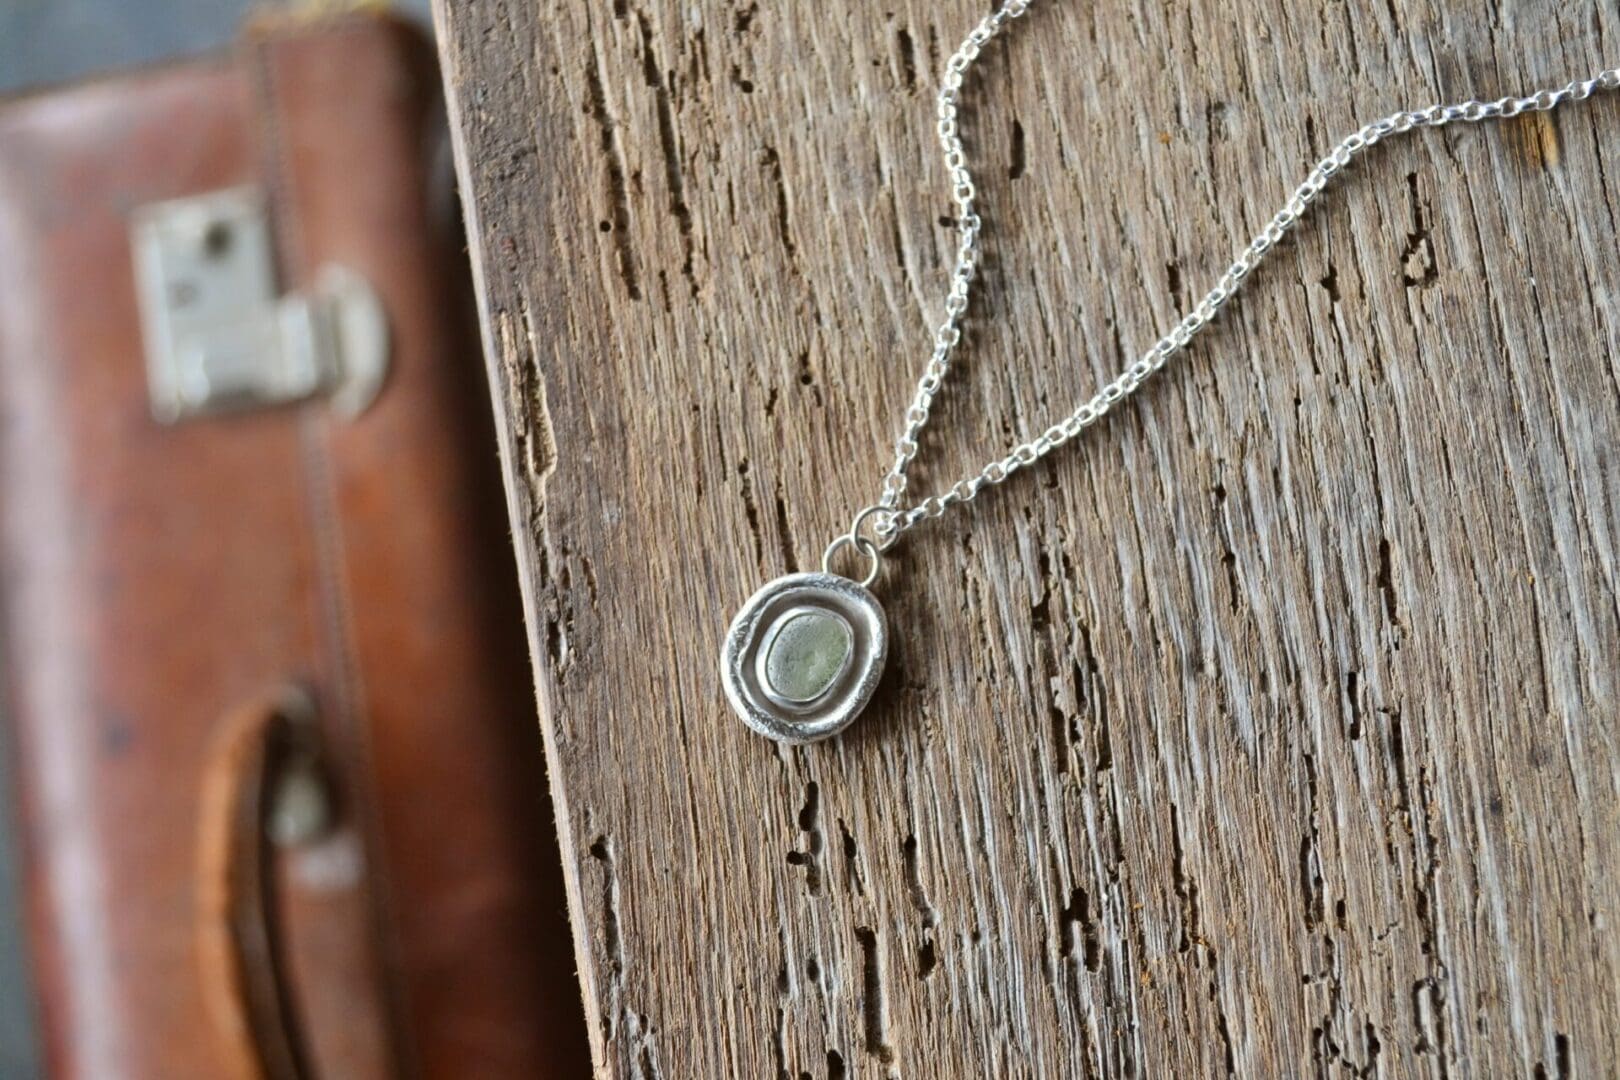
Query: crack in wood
[(907, 52), (809, 856), (669, 147), (613, 169), (872, 995), (601, 850), (852, 857)]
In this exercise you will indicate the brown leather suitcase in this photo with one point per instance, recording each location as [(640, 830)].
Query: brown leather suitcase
[(282, 800)]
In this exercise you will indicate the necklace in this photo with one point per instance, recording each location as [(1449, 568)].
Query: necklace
[(805, 652)]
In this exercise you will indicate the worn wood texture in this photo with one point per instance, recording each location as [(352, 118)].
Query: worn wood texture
[(1272, 731)]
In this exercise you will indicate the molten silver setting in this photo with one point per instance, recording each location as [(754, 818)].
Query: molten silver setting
[(804, 655)]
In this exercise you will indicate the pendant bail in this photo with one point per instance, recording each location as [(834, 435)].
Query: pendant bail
[(874, 559), (872, 546)]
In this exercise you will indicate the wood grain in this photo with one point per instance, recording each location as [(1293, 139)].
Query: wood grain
[(1271, 731)]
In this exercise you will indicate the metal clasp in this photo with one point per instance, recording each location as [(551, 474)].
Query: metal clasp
[(219, 337)]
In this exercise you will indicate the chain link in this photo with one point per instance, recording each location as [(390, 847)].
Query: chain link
[(893, 518)]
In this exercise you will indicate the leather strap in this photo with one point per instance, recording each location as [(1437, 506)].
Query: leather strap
[(239, 948)]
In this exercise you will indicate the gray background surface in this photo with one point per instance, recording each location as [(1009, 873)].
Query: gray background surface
[(44, 43)]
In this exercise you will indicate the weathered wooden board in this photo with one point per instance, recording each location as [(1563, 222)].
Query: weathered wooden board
[(1271, 731)]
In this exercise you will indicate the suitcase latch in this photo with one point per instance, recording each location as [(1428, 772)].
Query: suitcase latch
[(220, 337)]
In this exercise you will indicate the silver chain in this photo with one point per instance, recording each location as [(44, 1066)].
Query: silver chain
[(889, 518)]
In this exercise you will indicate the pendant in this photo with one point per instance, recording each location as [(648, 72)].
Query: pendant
[(803, 656)]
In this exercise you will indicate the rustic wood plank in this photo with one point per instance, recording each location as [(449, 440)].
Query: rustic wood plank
[(1271, 731)]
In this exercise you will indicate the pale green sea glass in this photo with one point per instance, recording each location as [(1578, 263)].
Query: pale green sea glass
[(807, 654)]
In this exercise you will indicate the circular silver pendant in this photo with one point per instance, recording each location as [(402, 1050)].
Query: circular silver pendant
[(803, 656)]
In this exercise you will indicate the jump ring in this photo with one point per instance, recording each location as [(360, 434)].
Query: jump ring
[(860, 544), (881, 539)]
